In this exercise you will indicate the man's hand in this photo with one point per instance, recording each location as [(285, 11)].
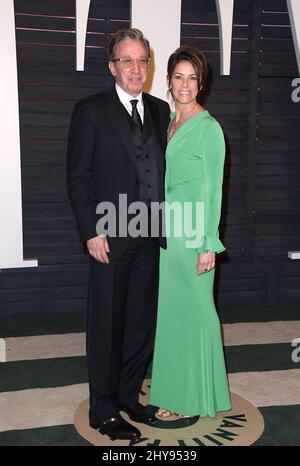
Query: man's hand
[(98, 248), (206, 262)]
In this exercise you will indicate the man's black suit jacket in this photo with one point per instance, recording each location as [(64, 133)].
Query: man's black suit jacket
[(100, 158)]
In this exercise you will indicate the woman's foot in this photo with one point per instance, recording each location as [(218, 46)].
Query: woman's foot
[(164, 413)]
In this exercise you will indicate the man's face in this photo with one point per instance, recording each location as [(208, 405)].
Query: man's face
[(131, 79)]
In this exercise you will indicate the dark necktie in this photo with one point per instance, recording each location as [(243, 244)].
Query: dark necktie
[(135, 115)]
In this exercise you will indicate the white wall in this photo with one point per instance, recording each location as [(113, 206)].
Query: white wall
[(11, 228), (160, 22)]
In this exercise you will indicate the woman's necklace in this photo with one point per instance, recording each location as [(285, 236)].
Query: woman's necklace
[(171, 131), (174, 126)]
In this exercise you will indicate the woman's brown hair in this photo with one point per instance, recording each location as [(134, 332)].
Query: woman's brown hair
[(196, 58)]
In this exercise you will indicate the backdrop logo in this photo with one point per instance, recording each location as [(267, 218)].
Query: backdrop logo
[(11, 231), (225, 9)]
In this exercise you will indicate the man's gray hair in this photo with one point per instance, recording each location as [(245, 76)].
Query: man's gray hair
[(127, 34)]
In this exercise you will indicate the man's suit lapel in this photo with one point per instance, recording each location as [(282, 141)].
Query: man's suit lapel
[(151, 117), (119, 118), (117, 114), (155, 119)]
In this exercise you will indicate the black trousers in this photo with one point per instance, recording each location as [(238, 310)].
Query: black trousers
[(121, 326)]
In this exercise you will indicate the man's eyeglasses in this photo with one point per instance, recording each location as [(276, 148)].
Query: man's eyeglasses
[(128, 62)]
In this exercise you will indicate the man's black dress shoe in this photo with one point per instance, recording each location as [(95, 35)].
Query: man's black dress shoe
[(117, 428), (140, 414)]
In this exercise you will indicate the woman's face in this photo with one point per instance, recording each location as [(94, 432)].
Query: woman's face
[(184, 83)]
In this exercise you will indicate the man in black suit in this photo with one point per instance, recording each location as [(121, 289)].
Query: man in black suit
[(116, 146)]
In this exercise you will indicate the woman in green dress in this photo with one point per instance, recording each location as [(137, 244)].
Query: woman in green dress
[(188, 375)]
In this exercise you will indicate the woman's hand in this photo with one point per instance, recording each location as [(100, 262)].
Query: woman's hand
[(206, 262)]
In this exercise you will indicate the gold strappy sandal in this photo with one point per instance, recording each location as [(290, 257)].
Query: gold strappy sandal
[(164, 413)]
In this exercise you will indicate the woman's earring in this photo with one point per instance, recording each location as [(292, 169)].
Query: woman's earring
[(169, 93)]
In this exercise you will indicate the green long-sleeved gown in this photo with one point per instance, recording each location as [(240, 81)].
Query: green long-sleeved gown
[(188, 374)]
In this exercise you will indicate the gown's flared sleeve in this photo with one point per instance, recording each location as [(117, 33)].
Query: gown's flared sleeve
[(213, 166)]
